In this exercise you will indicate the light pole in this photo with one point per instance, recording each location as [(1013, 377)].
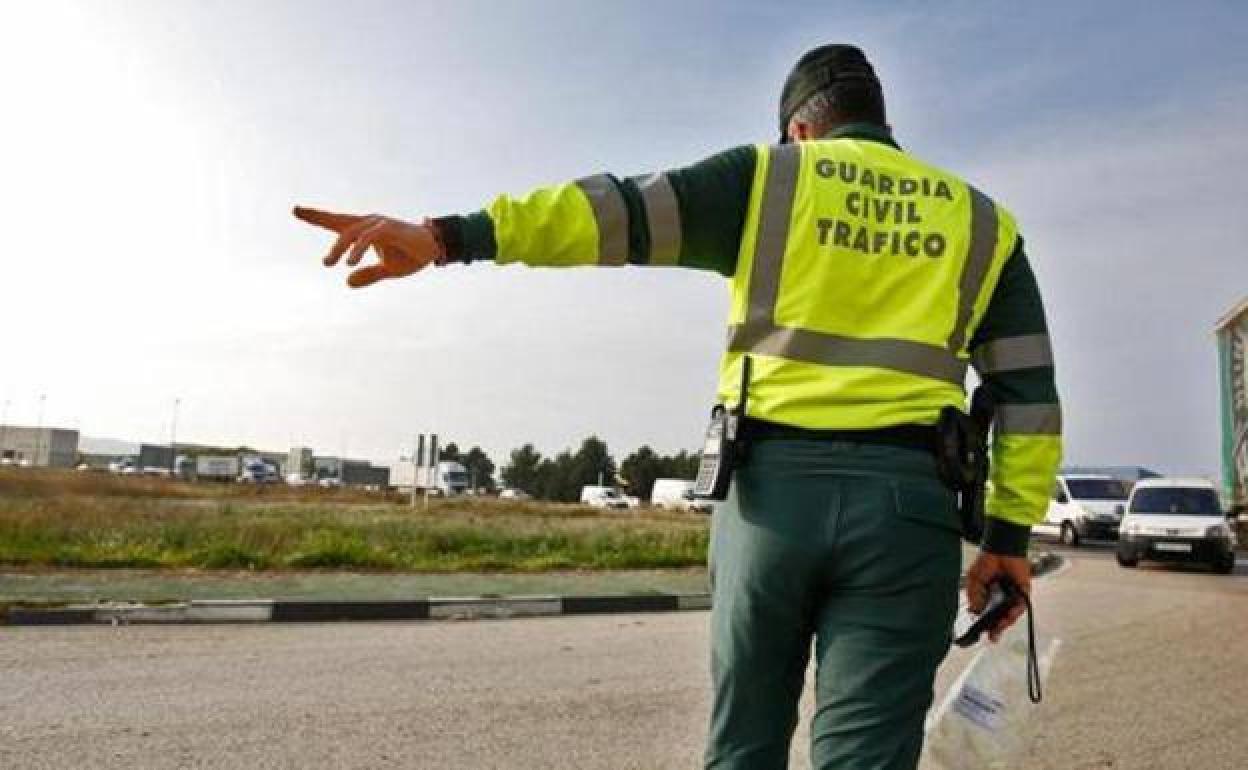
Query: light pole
[(173, 439), (434, 457), (43, 397), (4, 427), (418, 453)]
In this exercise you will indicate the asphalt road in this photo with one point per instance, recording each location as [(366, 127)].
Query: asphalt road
[(1151, 674)]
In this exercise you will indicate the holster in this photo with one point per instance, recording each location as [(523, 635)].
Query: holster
[(962, 459)]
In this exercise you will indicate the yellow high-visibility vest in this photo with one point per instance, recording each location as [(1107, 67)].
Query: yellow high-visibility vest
[(862, 276)]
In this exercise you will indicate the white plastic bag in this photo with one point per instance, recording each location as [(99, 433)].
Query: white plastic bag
[(983, 721)]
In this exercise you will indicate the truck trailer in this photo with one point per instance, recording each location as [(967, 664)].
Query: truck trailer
[(448, 479), (1232, 335), (216, 468)]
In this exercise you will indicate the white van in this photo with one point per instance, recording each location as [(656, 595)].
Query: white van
[(1176, 520), (602, 497), (1085, 505), (677, 494)]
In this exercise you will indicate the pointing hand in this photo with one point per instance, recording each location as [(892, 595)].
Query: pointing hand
[(402, 247)]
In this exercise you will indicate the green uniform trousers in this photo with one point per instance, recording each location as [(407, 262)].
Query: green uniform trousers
[(854, 547)]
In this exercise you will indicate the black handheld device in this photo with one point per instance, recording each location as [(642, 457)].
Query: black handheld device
[(723, 447), (1002, 596)]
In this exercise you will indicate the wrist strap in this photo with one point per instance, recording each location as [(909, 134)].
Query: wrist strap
[(1033, 664)]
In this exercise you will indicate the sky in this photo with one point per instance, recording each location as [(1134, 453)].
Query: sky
[(152, 151)]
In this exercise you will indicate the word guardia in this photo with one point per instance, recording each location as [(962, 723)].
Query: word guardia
[(881, 201)]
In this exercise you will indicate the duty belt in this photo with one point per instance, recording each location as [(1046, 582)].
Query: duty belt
[(923, 438)]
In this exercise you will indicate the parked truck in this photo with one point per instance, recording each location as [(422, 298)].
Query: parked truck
[(448, 479), (216, 468), (255, 470), (1232, 335)]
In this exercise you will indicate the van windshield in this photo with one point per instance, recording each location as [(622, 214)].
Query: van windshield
[(1176, 501), (1098, 489)]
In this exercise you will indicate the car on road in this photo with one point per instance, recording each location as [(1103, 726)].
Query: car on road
[(512, 493), (124, 466), (1176, 520), (1085, 506)]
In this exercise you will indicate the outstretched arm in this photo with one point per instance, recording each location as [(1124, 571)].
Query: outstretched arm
[(689, 217)]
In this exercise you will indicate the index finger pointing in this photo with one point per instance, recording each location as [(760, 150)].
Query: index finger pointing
[(326, 219)]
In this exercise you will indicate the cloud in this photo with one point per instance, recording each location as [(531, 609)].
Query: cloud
[(163, 145), (1135, 226)]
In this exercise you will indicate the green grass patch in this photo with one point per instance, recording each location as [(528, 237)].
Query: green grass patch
[(42, 525)]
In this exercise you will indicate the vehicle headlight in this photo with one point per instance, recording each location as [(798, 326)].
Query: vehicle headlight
[(1131, 529), (1218, 531)]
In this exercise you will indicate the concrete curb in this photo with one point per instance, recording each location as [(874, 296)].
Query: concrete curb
[(271, 611), (312, 611)]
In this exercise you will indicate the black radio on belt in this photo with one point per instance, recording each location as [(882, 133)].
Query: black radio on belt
[(962, 458), (724, 446)]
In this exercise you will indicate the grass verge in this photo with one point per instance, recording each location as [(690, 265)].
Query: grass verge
[(96, 524)]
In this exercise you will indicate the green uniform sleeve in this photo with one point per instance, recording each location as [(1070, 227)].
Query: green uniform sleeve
[(689, 217), (1013, 356)]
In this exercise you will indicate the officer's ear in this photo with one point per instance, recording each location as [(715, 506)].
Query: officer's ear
[(800, 131)]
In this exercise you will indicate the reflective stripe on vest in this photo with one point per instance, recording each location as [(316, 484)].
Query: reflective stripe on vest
[(760, 333), (611, 217), (663, 217), (975, 269), (1036, 419), (1009, 354)]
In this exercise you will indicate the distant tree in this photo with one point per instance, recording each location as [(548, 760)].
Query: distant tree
[(522, 470), (640, 469), (557, 479), (560, 478), (480, 468), (450, 454), (543, 479), (683, 465), (593, 464), (643, 467)]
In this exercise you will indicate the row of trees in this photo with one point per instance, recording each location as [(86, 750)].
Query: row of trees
[(561, 477), (478, 464)]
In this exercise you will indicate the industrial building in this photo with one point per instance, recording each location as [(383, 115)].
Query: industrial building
[(299, 460), (351, 472), (97, 461), (38, 447), (154, 456), (58, 448), (1231, 331)]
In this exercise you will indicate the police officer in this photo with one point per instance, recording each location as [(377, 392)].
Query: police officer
[(864, 281)]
